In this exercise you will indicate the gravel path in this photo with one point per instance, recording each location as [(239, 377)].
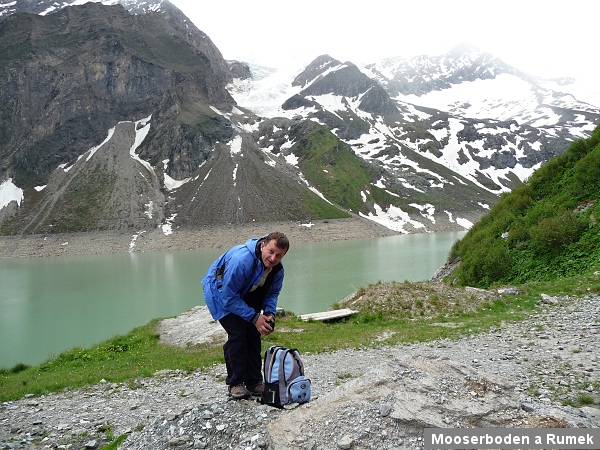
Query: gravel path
[(518, 375)]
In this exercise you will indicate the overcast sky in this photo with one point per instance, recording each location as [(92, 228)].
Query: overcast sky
[(543, 37)]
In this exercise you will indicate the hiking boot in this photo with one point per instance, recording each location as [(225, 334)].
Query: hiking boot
[(239, 392), (257, 390)]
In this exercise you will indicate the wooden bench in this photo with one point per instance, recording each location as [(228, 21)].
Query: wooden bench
[(328, 315)]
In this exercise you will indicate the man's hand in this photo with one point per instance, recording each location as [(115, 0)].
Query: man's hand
[(262, 324)]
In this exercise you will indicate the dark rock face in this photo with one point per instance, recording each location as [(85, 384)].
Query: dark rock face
[(346, 80), (177, 145), (240, 70), (67, 77)]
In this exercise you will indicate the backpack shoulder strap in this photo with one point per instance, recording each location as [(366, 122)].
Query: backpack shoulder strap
[(282, 378), (270, 362)]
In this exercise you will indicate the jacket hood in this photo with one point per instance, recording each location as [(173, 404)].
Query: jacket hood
[(251, 245)]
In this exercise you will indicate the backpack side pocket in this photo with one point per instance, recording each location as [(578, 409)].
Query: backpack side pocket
[(299, 390)]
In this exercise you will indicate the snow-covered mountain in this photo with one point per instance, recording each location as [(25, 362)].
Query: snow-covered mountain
[(470, 83), (466, 110), (421, 144)]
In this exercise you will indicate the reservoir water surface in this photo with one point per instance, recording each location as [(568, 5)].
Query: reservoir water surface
[(48, 305)]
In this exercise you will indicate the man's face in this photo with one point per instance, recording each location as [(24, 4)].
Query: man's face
[(271, 255)]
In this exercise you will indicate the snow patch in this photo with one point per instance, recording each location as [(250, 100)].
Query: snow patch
[(394, 219), (171, 183), (91, 151), (290, 158), (167, 227), (427, 210), (133, 240), (236, 145), (140, 135), (466, 224), (149, 209), (9, 192)]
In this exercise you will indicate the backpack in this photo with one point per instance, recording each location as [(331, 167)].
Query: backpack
[(285, 382)]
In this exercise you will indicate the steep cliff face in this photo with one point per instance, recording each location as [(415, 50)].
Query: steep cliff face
[(105, 189), (68, 77), (116, 121)]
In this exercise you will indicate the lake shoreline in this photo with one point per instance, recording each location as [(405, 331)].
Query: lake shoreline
[(220, 237)]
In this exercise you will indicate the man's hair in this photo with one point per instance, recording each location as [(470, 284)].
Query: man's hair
[(281, 240)]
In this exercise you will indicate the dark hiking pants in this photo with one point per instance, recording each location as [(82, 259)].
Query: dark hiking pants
[(242, 351)]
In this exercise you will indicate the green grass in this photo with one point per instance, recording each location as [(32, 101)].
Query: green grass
[(431, 314), (114, 445), (120, 359), (318, 209), (333, 168)]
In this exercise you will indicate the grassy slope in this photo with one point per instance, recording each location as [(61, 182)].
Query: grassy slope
[(350, 183), (543, 229), (341, 176)]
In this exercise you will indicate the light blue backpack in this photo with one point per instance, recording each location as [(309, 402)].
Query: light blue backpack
[(285, 382)]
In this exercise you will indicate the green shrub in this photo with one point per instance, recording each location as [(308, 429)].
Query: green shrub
[(518, 236), (540, 211), (520, 199), (487, 264), (551, 220), (553, 233), (586, 178)]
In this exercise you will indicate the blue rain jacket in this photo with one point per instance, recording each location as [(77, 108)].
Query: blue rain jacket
[(230, 278)]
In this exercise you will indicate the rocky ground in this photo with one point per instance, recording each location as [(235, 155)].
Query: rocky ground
[(180, 239), (518, 375)]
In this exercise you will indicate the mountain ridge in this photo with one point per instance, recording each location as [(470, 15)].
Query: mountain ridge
[(422, 168), (563, 127)]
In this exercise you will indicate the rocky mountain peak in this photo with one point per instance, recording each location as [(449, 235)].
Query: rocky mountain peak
[(420, 75), (316, 68), (376, 141), (326, 75)]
